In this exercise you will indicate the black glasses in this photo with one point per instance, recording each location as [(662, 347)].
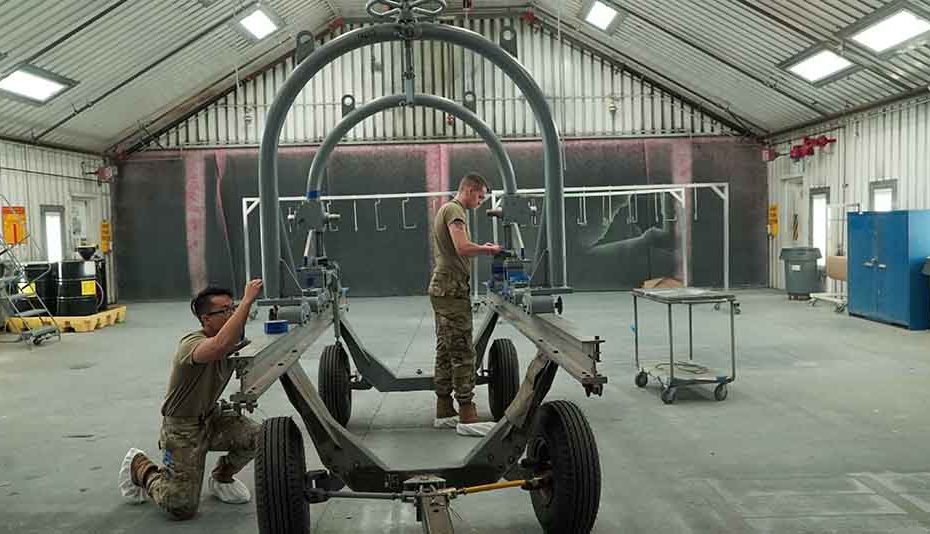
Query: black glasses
[(228, 310)]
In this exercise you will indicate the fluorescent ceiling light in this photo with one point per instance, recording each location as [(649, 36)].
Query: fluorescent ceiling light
[(820, 65), (31, 84), (258, 24), (892, 30), (600, 15)]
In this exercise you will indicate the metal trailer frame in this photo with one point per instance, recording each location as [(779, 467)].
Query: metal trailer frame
[(346, 458), (668, 381)]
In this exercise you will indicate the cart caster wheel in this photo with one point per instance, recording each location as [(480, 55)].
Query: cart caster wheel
[(336, 383), (642, 379), (668, 395), (37, 341), (720, 392), (503, 376), (280, 467), (563, 446), (717, 307), (737, 310)]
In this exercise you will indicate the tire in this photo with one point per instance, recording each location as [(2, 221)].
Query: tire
[(641, 379), (720, 392), (503, 376), (668, 395), (336, 383), (280, 468), (562, 440)]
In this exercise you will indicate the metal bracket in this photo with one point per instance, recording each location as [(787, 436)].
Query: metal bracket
[(508, 40), (632, 210), (403, 215), (607, 210), (330, 226), (470, 101), (305, 46), (348, 104), (582, 211), (378, 225)]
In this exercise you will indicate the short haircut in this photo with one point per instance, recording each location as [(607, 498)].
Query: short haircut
[(201, 303), (473, 179)]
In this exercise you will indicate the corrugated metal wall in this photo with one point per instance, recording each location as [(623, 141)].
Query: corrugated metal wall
[(885, 144), (34, 177), (593, 97)]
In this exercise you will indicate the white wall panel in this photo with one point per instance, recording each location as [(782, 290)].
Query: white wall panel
[(892, 143), (33, 177), (590, 96)]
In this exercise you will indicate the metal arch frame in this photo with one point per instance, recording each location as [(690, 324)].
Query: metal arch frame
[(505, 165), (295, 83)]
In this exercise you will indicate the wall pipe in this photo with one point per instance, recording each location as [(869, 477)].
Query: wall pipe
[(362, 37)]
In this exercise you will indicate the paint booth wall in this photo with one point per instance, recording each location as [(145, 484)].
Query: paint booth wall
[(183, 212)]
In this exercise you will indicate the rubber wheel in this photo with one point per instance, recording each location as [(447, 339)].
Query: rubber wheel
[(563, 442), (668, 395), (720, 392), (503, 376), (280, 468), (641, 379), (336, 383)]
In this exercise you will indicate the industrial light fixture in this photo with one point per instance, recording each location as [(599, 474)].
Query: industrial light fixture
[(34, 85), (602, 16), (818, 66), (257, 22), (889, 28)]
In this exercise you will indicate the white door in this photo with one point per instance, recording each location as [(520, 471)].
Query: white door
[(53, 230)]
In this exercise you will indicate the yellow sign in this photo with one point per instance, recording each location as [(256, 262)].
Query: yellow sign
[(106, 236), (14, 224), (88, 288), (773, 219)]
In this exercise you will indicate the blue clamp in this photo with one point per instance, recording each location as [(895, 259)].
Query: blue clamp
[(313, 195)]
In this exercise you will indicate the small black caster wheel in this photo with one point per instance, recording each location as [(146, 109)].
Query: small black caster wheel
[(668, 395), (720, 392), (736, 309), (37, 341), (642, 379), (717, 307)]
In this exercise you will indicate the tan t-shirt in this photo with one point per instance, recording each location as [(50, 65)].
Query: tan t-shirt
[(450, 271), (194, 388)]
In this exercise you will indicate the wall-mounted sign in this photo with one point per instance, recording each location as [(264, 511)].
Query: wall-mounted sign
[(14, 224)]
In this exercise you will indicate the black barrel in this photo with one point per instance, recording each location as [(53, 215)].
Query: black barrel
[(39, 284), (77, 288)]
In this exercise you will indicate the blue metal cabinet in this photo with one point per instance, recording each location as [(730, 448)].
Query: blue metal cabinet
[(886, 254)]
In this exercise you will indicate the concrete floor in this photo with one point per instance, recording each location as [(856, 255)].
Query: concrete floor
[(825, 429)]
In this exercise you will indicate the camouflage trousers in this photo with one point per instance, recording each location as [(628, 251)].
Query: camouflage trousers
[(455, 354), (185, 441)]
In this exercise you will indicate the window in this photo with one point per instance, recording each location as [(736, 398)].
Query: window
[(883, 195), (820, 222), (53, 232)]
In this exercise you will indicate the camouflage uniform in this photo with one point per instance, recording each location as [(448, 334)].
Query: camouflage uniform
[(193, 424), (449, 292), (176, 487)]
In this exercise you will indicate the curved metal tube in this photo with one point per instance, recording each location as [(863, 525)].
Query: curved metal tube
[(504, 165), (277, 114)]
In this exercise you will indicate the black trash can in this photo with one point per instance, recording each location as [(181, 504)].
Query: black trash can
[(801, 274)]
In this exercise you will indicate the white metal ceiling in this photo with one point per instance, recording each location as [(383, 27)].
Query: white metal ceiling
[(135, 60)]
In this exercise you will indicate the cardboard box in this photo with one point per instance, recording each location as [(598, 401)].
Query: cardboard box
[(664, 282), (836, 268)]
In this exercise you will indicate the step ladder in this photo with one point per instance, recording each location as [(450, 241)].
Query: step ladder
[(18, 295)]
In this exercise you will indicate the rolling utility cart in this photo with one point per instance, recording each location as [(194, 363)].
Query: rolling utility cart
[(671, 374)]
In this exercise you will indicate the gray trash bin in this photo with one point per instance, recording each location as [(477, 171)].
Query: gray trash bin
[(801, 275)]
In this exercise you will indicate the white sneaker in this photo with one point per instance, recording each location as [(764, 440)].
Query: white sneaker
[(234, 492), (131, 493)]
